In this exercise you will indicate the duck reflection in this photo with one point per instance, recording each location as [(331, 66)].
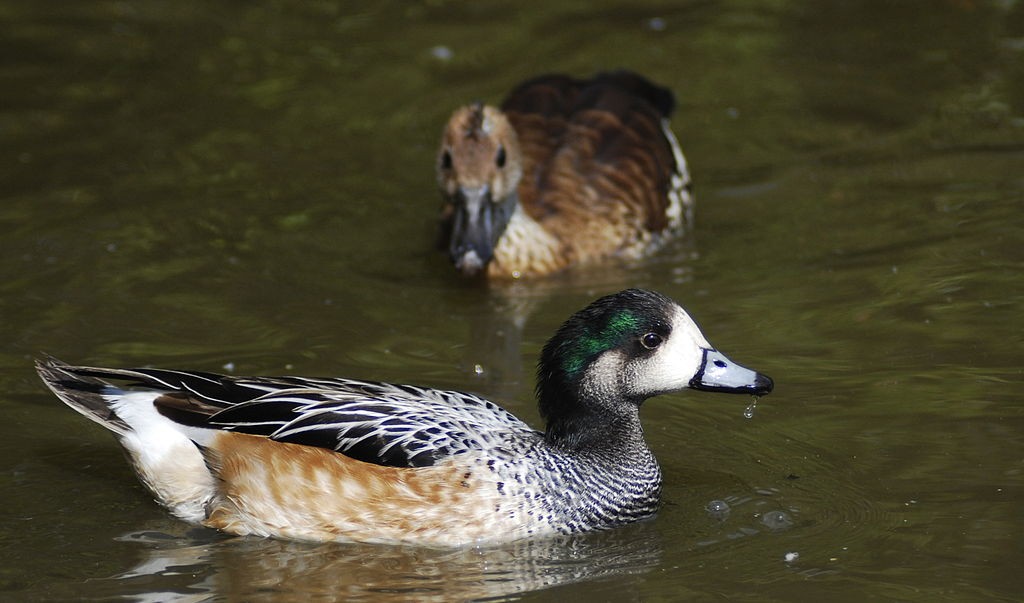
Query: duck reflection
[(203, 565)]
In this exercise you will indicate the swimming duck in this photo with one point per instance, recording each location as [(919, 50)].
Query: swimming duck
[(347, 460), (567, 171)]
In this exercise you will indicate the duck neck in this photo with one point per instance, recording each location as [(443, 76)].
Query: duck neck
[(525, 248), (592, 434), (581, 419)]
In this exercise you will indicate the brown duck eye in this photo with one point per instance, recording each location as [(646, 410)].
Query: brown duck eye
[(650, 340), (500, 159)]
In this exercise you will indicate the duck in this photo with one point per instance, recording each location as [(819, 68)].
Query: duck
[(345, 460), (566, 172)]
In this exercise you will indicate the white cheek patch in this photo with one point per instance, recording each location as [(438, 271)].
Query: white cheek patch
[(675, 363), (604, 376)]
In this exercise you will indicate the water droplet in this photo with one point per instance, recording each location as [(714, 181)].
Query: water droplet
[(776, 520), (748, 412), (478, 369), (442, 53), (656, 24), (719, 509)]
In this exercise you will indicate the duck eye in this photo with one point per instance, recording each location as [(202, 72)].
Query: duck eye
[(500, 159), (446, 160), (650, 340)]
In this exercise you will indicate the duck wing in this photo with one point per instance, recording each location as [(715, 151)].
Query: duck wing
[(380, 423)]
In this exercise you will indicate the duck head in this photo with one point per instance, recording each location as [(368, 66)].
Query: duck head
[(620, 350), (479, 166)]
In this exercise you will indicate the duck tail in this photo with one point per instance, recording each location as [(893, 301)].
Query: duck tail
[(165, 454), (82, 389)]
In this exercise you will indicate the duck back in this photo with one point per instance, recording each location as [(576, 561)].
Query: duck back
[(596, 158)]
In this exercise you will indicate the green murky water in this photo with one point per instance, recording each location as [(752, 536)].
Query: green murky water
[(249, 187)]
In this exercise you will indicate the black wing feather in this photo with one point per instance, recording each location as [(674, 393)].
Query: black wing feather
[(380, 423)]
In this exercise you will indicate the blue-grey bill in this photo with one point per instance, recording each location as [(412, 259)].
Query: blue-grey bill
[(719, 374)]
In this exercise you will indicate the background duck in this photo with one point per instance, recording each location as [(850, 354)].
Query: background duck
[(347, 460), (567, 171)]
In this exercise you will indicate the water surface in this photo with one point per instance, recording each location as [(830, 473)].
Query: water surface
[(249, 188)]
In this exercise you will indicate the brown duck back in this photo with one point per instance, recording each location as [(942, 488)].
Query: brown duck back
[(595, 159)]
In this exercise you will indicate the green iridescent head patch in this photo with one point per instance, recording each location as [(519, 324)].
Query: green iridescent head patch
[(591, 344)]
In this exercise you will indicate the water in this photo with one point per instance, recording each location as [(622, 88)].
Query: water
[(249, 188), (748, 412)]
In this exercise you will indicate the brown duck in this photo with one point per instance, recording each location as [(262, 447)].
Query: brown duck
[(567, 171)]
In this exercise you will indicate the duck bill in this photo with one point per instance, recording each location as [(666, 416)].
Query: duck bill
[(719, 374), (473, 230)]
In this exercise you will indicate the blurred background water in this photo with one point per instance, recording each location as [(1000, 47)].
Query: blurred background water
[(248, 187)]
